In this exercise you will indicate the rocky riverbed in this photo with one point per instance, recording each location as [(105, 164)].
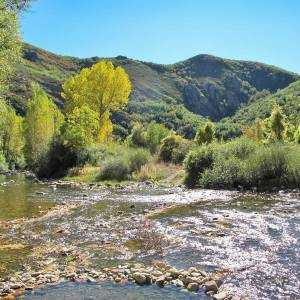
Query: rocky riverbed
[(217, 244)]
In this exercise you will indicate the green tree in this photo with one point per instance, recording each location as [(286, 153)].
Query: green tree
[(289, 132), (205, 134), (277, 125), (10, 45), (102, 88), (81, 128), (13, 138), (43, 121)]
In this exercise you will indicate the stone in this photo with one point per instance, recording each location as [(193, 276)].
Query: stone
[(178, 283), (160, 281), (193, 287), (139, 278), (211, 286), (157, 273), (16, 286), (220, 296)]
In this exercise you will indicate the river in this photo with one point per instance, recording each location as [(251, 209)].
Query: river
[(254, 238)]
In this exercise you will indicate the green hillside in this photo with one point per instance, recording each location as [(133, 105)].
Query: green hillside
[(181, 95), (261, 106)]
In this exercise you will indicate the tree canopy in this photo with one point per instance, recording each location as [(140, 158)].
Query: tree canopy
[(103, 88)]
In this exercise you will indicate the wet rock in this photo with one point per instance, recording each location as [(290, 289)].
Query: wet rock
[(160, 281), (211, 286), (139, 278), (15, 286), (90, 279), (178, 283), (28, 288), (118, 279), (193, 287), (220, 296)]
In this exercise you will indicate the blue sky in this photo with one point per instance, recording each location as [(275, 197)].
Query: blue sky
[(167, 31)]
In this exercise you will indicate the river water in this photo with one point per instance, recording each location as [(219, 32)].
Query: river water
[(254, 238)]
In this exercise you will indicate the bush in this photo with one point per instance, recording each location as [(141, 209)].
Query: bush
[(148, 136), (225, 173), (269, 164), (122, 166), (115, 169), (243, 162), (3, 164), (196, 162), (174, 148)]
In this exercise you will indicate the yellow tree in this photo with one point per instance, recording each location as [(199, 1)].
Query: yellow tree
[(42, 123), (103, 88)]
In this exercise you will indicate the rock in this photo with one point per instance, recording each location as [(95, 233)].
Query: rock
[(174, 272), (118, 279), (220, 296), (157, 273), (218, 280), (160, 281), (195, 274), (28, 288), (16, 286), (211, 286), (193, 287), (132, 206), (90, 279), (139, 278), (178, 283), (40, 193)]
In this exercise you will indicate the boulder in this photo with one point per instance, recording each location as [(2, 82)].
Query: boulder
[(211, 286), (220, 296), (139, 278), (193, 287)]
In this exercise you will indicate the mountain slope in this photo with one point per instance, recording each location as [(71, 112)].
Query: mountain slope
[(182, 94)]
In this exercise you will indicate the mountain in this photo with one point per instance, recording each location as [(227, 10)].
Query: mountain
[(182, 95)]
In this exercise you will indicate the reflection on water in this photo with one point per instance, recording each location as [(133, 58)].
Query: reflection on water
[(256, 237)]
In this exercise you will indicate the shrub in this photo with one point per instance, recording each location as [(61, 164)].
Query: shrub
[(174, 148), (3, 164), (138, 158), (120, 167), (225, 173), (115, 169), (205, 134), (196, 162), (240, 148), (269, 164), (148, 136)]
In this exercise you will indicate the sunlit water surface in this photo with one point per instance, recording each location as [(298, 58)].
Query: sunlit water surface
[(256, 237)]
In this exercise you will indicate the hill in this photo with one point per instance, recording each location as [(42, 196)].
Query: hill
[(182, 95)]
